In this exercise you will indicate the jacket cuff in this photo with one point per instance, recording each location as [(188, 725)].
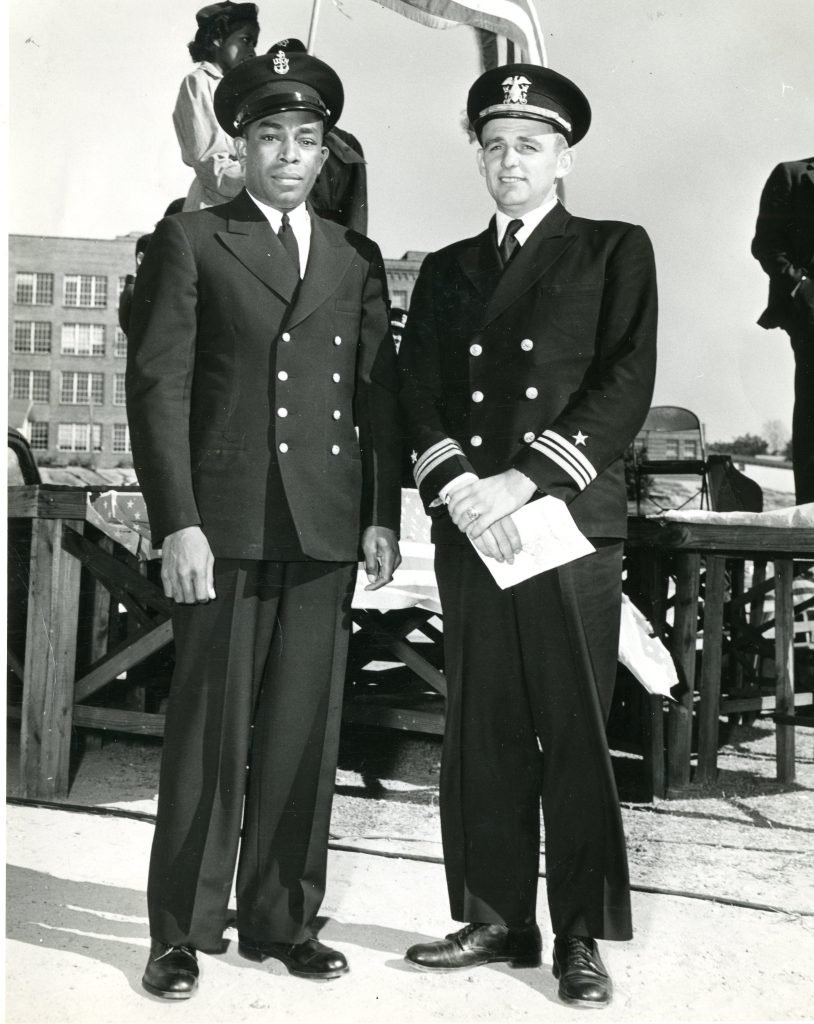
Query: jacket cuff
[(437, 466), (556, 465)]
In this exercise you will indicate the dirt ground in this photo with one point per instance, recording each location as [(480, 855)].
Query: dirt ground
[(723, 899), (745, 838)]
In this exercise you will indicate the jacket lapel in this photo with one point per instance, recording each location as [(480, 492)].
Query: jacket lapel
[(248, 236), (328, 259), (480, 262), (542, 249)]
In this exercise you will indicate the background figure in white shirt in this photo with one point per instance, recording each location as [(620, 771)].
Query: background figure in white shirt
[(226, 36)]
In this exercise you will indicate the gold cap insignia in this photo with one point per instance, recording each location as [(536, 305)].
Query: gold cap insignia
[(281, 63)]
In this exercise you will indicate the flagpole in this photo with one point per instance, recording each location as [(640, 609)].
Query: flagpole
[(312, 30), (535, 20)]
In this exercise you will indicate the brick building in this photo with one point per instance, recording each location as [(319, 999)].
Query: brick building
[(67, 353)]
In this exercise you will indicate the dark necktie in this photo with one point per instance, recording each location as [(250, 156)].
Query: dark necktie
[(289, 240), (509, 244)]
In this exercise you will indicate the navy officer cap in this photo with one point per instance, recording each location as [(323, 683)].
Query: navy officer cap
[(533, 92), (289, 45), (236, 12), (277, 81)]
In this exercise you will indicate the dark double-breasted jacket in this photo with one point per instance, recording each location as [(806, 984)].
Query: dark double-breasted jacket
[(784, 243), (547, 366), (256, 399)]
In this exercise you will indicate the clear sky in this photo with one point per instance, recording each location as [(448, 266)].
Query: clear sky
[(694, 102)]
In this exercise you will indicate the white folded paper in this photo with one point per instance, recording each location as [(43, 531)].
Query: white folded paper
[(644, 654), (550, 538)]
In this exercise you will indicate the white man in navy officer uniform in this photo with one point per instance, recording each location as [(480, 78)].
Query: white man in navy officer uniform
[(263, 410), (527, 367)]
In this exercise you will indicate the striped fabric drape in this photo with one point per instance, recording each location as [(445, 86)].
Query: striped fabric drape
[(514, 20)]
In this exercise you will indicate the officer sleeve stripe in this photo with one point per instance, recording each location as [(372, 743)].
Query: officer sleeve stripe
[(566, 456), (434, 456), (571, 450)]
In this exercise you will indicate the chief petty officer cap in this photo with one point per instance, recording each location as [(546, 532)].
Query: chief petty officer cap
[(530, 91), (279, 80), (236, 12)]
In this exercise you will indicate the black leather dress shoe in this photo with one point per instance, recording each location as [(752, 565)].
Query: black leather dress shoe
[(584, 980), (309, 959), (171, 972), (477, 944)]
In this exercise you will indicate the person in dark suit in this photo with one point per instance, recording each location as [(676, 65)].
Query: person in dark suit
[(262, 402), (527, 368), (784, 245)]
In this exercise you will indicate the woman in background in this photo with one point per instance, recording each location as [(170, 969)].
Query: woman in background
[(226, 36)]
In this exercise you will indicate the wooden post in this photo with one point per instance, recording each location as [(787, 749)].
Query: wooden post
[(102, 601), (784, 665), (50, 662), (685, 630), (710, 686)]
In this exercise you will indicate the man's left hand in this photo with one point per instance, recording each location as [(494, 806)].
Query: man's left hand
[(382, 556), (473, 507)]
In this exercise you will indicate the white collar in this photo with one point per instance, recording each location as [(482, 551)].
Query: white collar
[(530, 220), (300, 222), (298, 217), (210, 68)]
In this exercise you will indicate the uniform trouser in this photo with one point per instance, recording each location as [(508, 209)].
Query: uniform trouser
[(802, 427), (254, 711), (530, 674)]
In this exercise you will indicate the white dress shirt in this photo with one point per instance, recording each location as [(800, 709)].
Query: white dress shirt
[(300, 223), (530, 220)]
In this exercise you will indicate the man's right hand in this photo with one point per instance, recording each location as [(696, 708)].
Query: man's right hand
[(501, 541), (187, 566)]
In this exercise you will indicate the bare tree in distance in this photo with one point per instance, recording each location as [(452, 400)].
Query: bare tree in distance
[(777, 436)]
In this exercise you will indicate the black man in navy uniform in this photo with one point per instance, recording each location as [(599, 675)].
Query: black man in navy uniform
[(263, 409), (527, 367)]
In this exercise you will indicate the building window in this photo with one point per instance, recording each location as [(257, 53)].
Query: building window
[(83, 339), (121, 286), (690, 449), (121, 437), (32, 336), (398, 298), (31, 385), (38, 436), (75, 437), (86, 290), (82, 389), (120, 344), (34, 289), (118, 389), (671, 449)]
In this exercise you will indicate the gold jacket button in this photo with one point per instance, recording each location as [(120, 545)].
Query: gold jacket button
[(475, 350), (529, 436), (336, 378), (336, 414), (476, 441), (337, 340), (282, 375), (531, 392), (283, 447), (282, 412), (334, 449), (285, 336), (477, 396), (527, 344)]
